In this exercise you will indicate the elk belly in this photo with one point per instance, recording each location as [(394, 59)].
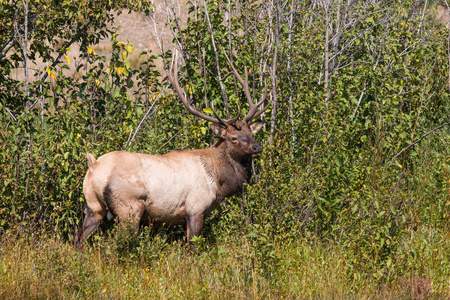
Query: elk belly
[(159, 216)]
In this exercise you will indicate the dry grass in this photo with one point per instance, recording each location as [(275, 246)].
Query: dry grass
[(46, 267)]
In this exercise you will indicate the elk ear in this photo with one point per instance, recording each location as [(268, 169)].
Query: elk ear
[(256, 126), (218, 131)]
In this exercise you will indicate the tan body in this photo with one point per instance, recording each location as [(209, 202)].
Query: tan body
[(151, 185), (180, 187), (164, 187)]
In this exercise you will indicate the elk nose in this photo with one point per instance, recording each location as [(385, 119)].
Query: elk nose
[(257, 148)]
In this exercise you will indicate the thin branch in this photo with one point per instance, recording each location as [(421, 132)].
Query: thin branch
[(421, 18), (128, 143), (448, 27), (8, 45), (10, 113), (66, 45), (222, 88), (24, 46), (290, 103), (155, 31), (360, 97), (230, 45), (417, 141), (178, 40), (274, 66), (180, 32), (15, 32), (327, 51)]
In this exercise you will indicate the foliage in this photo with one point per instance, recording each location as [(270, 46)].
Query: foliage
[(31, 31), (43, 145)]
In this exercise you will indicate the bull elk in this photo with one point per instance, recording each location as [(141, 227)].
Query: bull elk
[(179, 187)]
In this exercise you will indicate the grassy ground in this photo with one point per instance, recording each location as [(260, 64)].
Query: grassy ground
[(126, 266)]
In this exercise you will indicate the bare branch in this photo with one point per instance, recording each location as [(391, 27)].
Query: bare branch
[(24, 49), (129, 141), (417, 141), (448, 27), (155, 31), (10, 113), (273, 73), (222, 88), (360, 97), (8, 45)]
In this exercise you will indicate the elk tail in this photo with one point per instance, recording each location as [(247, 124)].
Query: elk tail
[(91, 161)]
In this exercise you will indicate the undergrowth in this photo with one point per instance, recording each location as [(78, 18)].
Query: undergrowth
[(231, 267)]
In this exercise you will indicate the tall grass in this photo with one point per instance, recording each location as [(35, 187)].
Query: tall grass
[(229, 268)]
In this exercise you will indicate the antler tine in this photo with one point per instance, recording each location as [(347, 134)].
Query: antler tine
[(252, 106), (247, 89), (172, 75), (171, 63), (263, 96), (262, 110), (231, 121), (243, 82), (224, 123), (236, 74), (252, 111)]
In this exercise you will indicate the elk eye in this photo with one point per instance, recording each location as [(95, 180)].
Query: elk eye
[(234, 139)]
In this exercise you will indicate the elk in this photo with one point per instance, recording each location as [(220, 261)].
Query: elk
[(179, 187)]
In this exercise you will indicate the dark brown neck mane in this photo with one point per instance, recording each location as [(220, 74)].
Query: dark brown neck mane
[(232, 172)]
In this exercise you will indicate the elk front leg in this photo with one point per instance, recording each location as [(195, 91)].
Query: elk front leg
[(194, 228)]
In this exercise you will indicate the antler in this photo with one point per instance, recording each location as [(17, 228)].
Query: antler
[(172, 75), (252, 113)]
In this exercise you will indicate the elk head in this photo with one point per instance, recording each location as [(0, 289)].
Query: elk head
[(236, 133)]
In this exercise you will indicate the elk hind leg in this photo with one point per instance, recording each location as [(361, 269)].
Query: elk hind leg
[(91, 222), (95, 212)]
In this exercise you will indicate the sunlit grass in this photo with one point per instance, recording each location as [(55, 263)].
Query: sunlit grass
[(230, 268)]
